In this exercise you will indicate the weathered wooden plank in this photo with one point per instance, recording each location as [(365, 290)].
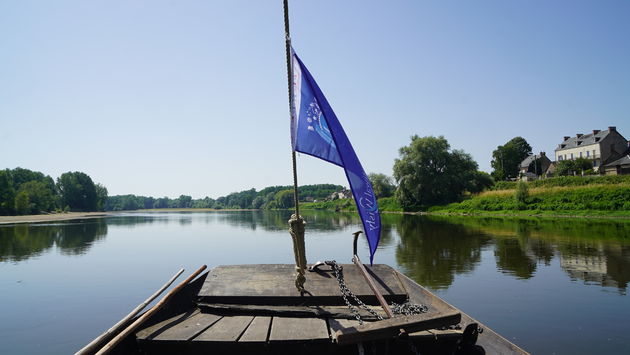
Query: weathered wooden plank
[(436, 334), (149, 332), (338, 324), (189, 328), (257, 331), (298, 329), (228, 329), (274, 284), (289, 311), (389, 328)]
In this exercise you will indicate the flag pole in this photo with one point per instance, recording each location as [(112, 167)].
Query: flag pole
[(296, 223)]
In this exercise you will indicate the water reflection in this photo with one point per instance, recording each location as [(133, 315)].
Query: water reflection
[(593, 251), (20, 242), (432, 251)]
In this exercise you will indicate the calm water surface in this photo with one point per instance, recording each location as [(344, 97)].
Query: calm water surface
[(552, 286)]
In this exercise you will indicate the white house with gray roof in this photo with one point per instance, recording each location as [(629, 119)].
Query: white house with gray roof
[(598, 146)]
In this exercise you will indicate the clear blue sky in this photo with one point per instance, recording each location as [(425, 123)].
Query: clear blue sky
[(164, 98)]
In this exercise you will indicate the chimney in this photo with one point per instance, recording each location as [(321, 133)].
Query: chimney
[(579, 135), (542, 154), (566, 138), (612, 128), (595, 131)]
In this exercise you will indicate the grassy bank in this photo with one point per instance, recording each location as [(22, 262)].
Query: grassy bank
[(577, 196), (386, 204)]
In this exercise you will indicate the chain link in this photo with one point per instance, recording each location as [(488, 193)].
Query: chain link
[(406, 308)]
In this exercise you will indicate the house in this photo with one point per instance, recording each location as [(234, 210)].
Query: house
[(620, 166), (534, 166), (601, 147)]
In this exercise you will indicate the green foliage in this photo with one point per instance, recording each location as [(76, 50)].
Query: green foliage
[(573, 167), (7, 193), (77, 191), (573, 200), (428, 173), (284, 199), (480, 181), (101, 197), (521, 195), (22, 203), (507, 158), (40, 197), (382, 185), (567, 181)]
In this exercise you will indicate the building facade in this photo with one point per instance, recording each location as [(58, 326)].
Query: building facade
[(598, 146)]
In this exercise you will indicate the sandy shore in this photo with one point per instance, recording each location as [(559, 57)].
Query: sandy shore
[(50, 217)]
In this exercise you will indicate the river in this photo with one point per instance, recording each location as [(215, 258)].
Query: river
[(552, 286)]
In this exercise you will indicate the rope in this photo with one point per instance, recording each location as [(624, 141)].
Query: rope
[(296, 229)]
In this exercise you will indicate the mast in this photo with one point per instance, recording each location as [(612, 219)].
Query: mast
[(296, 223), (287, 41)]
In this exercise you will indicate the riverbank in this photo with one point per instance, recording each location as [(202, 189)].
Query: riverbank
[(39, 218)]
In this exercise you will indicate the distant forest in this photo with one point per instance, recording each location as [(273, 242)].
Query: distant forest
[(24, 191), (267, 198)]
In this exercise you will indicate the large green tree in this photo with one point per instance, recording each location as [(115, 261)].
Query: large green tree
[(382, 185), (573, 167), (428, 173), (78, 191), (507, 158), (7, 193), (39, 196)]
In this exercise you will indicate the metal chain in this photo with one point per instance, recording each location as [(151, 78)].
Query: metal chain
[(406, 308), (346, 293)]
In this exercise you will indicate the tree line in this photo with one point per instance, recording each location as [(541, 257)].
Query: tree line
[(23, 191), (267, 198)]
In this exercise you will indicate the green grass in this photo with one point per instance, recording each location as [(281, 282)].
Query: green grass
[(386, 204), (587, 199), (567, 181)]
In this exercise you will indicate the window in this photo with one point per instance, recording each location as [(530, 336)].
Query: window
[(594, 163), (588, 153), (580, 154), (559, 157), (571, 156)]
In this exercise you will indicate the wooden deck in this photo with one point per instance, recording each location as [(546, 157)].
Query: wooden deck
[(255, 309), (274, 285)]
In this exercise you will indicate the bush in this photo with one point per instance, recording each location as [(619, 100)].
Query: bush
[(521, 195)]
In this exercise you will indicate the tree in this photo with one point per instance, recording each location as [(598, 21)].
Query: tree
[(77, 191), (573, 167), (7, 193), (480, 181), (40, 197), (22, 203), (507, 158), (101, 197), (428, 173), (284, 199), (382, 185)]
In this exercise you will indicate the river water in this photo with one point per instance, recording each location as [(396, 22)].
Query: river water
[(552, 286)]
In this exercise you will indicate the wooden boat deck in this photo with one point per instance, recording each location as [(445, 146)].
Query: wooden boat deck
[(252, 309)]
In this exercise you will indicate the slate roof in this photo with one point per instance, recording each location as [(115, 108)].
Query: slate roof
[(625, 160), (530, 159), (584, 140)]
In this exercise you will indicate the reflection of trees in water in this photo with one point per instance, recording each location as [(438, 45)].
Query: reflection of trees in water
[(433, 251), (21, 242), (593, 250), (512, 259)]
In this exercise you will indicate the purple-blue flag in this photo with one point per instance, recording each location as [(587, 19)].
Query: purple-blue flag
[(316, 131)]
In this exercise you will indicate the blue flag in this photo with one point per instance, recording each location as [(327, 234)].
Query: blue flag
[(316, 131)]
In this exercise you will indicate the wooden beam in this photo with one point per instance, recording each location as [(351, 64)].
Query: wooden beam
[(368, 278), (390, 328)]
